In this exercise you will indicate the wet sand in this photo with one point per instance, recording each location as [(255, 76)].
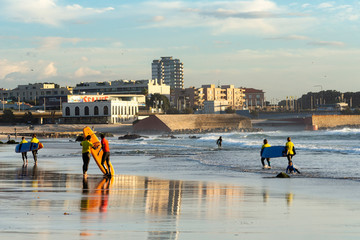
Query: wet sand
[(53, 201), (41, 204)]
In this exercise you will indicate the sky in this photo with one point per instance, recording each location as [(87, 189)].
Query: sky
[(284, 47)]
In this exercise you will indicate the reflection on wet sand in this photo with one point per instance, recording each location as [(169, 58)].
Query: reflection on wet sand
[(97, 205)]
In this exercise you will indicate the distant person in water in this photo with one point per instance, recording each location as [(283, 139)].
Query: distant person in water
[(23, 154), (86, 145), (290, 149), (265, 145), (219, 142), (34, 152), (106, 155), (291, 169)]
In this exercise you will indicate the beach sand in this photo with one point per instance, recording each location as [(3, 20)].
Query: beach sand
[(53, 201)]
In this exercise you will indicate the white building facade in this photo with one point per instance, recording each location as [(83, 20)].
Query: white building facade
[(113, 111), (215, 107), (132, 87)]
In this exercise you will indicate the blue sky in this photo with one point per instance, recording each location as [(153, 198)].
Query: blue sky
[(286, 48)]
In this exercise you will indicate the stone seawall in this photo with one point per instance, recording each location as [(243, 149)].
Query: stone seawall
[(333, 121), (192, 123)]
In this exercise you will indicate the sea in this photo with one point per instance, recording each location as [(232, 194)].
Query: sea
[(332, 154), (326, 154), (329, 154)]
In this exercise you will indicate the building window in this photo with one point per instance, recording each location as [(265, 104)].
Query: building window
[(77, 111), (106, 110), (87, 111), (67, 111), (96, 110)]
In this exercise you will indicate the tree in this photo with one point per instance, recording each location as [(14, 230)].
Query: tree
[(28, 117), (172, 111), (188, 110), (8, 116), (229, 110), (158, 100)]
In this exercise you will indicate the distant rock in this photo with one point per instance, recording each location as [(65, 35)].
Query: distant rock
[(168, 136), (282, 175), (131, 136), (194, 137)]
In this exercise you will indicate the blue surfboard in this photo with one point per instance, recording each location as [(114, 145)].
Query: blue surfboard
[(274, 152), (26, 147)]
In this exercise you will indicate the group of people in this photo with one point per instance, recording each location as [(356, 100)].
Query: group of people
[(86, 148), (290, 152), (34, 152)]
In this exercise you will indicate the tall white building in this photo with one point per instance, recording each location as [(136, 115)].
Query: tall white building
[(168, 70)]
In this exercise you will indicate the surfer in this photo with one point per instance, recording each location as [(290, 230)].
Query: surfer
[(290, 148), (86, 145), (106, 155), (34, 152), (219, 142), (291, 169), (265, 145), (23, 154)]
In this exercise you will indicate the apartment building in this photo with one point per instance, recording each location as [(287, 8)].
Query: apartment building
[(37, 93), (168, 70), (225, 95), (254, 98)]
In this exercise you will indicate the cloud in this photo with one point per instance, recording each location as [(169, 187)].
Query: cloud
[(158, 18), (289, 37), (85, 71), (46, 12), (325, 5), (235, 17), (49, 71), (7, 67), (49, 43), (327, 43)]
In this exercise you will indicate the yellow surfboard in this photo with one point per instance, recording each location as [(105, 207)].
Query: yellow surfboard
[(98, 152)]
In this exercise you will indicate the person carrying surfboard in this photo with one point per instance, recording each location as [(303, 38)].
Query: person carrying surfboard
[(23, 154), (34, 152), (106, 154), (265, 145), (290, 148), (86, 145)]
